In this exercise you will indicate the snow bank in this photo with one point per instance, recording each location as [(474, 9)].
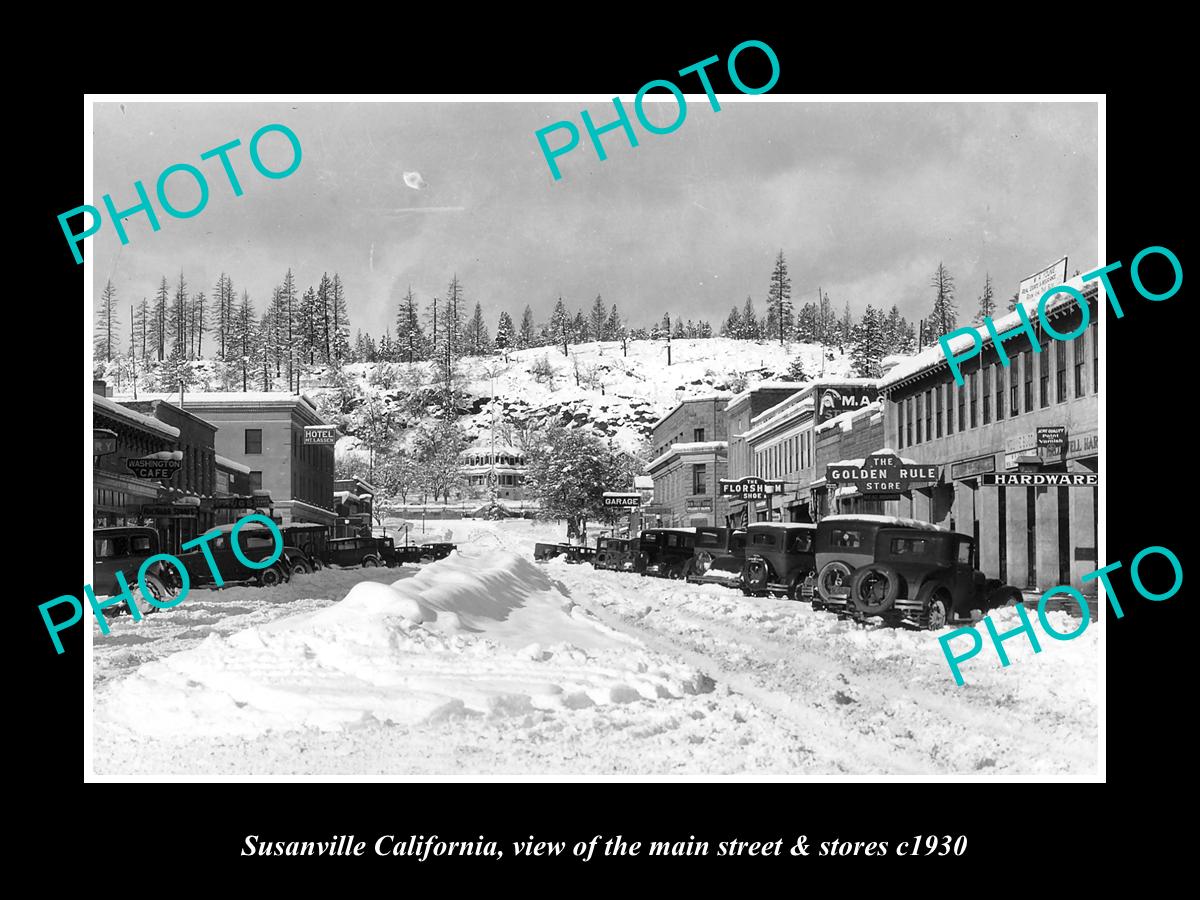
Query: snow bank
[(489, 635)]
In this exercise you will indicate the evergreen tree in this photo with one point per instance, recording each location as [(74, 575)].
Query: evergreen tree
[(453, 314), (408, 329), (560, 325), (944, 316), (779, 301), (680, 331), (341, 320), (177, 320), (527, 336), (795, 371), (505, 332), (846, 328), (223, 315), (158, 321), (806, 324), (732, 326), (598, 320), (245, 338), (704, 329), (197, 326), (579, 330), (479, 343), (106, 337), (141, 328), (263, 350), (826, 322), (613, 329), (324, 314), (309, 333), (899, 337), (435, 335), (868, 345), (664, 329), (750, 325), (987, 301)]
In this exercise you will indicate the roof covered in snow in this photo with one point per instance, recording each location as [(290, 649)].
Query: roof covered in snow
[(690, 447), (705, 398), (932, 357), (765, 386), (116, 410), (226, 463), (896, 521), (202, 399), (845, 420)]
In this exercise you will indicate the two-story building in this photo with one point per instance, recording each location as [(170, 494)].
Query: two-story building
[(118, 493), (354, 504), (690, 458), (500, 470), (1030, 536)]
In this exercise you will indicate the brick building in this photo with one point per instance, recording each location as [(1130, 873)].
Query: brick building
[(690, 457), (1031, 537), (118, 495), (846, 438), (694, 421)]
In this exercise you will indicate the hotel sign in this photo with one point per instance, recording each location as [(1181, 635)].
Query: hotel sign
[(881, 473), (320, 434), (750, 487)]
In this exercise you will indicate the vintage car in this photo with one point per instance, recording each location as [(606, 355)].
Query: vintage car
[(437, 550), (779, 559), (616, 554), (355, 551), (257, 543), (577, 554), (717, 557), (123, 548), (665, 552), (904, 571), (394, 555), (543, 551), (305, 544)]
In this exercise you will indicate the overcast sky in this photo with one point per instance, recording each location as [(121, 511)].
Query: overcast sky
[(863, 199)]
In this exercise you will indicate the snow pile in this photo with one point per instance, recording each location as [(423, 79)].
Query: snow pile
[(489, 635)]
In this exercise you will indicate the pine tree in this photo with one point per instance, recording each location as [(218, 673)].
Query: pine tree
[(177, 323), (846, 328), (527, 336), (826, 322), (680, 331), (598, 320), (454, 312), (340, 319), (944, 316), (750, 325), (243, 337), (806, 324), (408, 329), (222, 316), (868, 345), (158, 321), (324, 313), (613, 329), (704, 329), (106, 337), (141, 327), (263, 349), (795, 371), (732, 326), (199, 305), (779, 301), (288, 312), (560, 325), (987, 302), (580, 333), (505, 332), (307, 349), (479, 343)]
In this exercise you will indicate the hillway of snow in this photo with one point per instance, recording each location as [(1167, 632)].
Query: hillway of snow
[(485, 663)]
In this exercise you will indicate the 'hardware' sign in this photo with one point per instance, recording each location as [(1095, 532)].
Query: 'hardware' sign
[(1041, 479), (750, 487), (881, 473)]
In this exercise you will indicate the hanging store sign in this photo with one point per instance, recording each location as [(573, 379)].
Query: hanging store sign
[(1052, 440), (625, 501), (154, 467), (751, 487), (320, 434), (1041, 479), (236, 502), (835, 401), (699, 505), (1038, 283), (972, 467), (104, 442), (881, 473)]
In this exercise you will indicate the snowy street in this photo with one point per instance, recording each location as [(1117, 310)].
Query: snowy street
[(486, 663)]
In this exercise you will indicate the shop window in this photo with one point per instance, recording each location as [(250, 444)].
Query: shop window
[(1027, 358), (962, 407), (254, 440), (1060, 372)]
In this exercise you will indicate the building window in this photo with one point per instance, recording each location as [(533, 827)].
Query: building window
[(908, 421), (962, 401), (1060, 372), (974, 396), (255, 481), (254, 440), (1028, 361), (1014, 392), (1095, 359), (987, 398), (929, 417), (918, 400), (999, 376), (698, 435), (900, 426), (1044, 376), (1080, 365), (699, 481)]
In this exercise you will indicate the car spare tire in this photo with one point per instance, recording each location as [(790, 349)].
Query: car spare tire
[(874, 588), (757, 573), (832, 575)]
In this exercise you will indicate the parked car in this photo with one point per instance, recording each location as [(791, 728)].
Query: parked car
[(616, 554), (779, 559), (257, 543), (543, 551), (903, 571), (717, 557), (437, 550), (306, 545), (665, 552), (123, 548), (577, 554), (355, 551)]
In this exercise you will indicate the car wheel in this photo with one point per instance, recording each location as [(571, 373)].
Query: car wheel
[(156, 588), (675, 573), (935, 606), (874, 589), (270, 577), (317, 565), (1004, 596), (300, 567), (756, 574), (370, 563)]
